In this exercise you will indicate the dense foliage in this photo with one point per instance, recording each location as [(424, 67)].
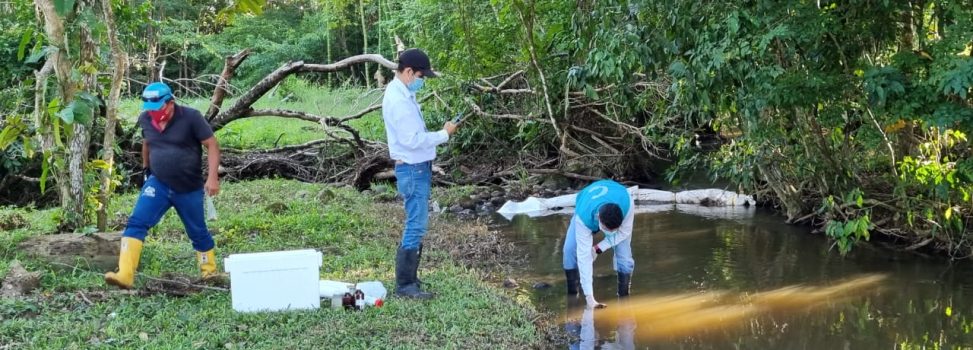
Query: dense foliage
[(853, 115)]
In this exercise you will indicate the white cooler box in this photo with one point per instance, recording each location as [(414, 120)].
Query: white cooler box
[(274, 281)]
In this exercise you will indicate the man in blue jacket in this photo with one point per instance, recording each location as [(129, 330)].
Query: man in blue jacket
[(603, 206)]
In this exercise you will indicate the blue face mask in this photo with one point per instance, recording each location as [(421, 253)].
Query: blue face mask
[(416, 84), (606, 231)]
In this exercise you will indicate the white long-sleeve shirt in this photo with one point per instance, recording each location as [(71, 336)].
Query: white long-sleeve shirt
[(583, 238), (408, 139)]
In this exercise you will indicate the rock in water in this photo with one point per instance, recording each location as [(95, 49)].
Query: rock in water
[(541, 285)]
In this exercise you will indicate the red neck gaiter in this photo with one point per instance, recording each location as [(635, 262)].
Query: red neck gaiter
[(159, 117)]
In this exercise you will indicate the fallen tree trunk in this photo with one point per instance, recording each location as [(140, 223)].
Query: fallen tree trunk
[(243, 105), (342, 155), (232, 62)]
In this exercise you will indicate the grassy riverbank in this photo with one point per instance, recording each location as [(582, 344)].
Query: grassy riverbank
[(357, 236)]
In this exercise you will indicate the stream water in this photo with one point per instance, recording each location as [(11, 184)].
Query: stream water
[(706, 280)]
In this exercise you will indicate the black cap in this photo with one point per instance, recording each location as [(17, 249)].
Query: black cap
[(418, 61)]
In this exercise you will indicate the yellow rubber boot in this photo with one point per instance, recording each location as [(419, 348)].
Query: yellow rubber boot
[(207, 263), (128, 262)]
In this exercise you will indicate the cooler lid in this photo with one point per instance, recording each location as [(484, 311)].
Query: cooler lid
[(272, 260)]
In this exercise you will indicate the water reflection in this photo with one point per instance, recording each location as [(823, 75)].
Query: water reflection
[(673, 316), (580, 327), (756, 283)]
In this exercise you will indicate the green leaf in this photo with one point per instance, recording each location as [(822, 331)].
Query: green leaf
[(859, 201), (949, 213), (45, 168), (863, 224), (24, 40), (67, 114), (734, 23), (56, 126), (64, 7), (850, 228), (28, 146), (99, 164), (37, 55), (10, 133), (89, 98), (83, 112), (248, 6)]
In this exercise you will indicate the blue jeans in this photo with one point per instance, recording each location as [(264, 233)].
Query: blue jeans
[(155, 201), (622, 253), (414, 182)]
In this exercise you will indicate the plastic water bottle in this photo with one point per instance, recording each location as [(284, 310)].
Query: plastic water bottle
[(210, 209), (373, 301), (335, 291), (336, 301), (359, 300), (374, 289)]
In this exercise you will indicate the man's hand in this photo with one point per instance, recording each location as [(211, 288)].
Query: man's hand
[(594, 253), (593, 304), (212, 186), (450, 128)]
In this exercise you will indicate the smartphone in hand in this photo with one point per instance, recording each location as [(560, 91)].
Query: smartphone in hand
[(458, 118)]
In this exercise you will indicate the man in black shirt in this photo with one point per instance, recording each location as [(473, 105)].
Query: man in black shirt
[(172, 159)]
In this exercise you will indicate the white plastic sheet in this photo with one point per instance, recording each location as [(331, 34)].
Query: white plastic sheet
[(727, 212), (713, 198), (718, 204), (650, 195)]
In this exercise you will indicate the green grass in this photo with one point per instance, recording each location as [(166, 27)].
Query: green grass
[(270, 132), (358, 242)]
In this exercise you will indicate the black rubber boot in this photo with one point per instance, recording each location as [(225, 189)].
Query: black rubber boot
[(624, 284), (574, 280), (406, 265), (419, 261)]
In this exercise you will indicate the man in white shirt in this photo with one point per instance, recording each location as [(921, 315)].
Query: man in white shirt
[(413, 149), (603, 206)]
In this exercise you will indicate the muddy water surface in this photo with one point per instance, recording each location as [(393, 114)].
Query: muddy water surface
[(712, 280)]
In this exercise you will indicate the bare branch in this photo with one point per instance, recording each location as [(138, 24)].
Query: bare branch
[(243, 104), (510, 78), (361, 113), (326, 121), (347, 62), (479, 111), (551, 172), (399, 46), (284, 149), (496, 90), (232, 62)]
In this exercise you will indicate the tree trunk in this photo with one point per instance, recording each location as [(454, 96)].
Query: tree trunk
[(232, 62), (527, 17), (242, 106), (120, 59), (364, 35), (330, 76), (789, 196), (42, 122), (80, 139), (54, 28), (152, 56)]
